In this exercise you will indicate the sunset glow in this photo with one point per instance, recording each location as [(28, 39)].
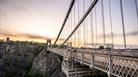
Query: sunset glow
[(38, 20)]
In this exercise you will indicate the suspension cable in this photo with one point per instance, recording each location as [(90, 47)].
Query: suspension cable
[(74, 26), (68, 29), (86, 31), (91, 19), (137, 15), (71, 27), (82, 19), (103, 22), (110, 12), (67, 15), (84, 37), (78, 22), (123, 26), (95, 26), (136, 7), (1, 18)]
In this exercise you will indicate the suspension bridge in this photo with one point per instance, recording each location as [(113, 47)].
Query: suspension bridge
[(90, 40)]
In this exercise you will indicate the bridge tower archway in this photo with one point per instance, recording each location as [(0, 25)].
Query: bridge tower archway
[(48, 42)]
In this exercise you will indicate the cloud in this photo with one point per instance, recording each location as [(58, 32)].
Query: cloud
[(33, 36), (9, 32), (133, 33), (6, 33)]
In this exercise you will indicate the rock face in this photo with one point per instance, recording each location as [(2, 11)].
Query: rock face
[(48, 65), (26, 59)]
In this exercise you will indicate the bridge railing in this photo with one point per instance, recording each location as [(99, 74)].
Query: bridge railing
[(117, 65)]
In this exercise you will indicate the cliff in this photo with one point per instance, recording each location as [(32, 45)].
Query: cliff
[(27, 59)]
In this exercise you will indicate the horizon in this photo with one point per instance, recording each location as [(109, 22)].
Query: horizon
[(38, 20)]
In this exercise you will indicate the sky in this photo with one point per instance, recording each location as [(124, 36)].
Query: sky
[(38, 20), (40, 17)]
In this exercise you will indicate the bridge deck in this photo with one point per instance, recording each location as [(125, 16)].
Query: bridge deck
[(119, 63)]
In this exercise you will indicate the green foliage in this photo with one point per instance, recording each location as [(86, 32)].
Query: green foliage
[(19, 58), (60, 57), (39, 48), (34, 74), (1, 41)]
